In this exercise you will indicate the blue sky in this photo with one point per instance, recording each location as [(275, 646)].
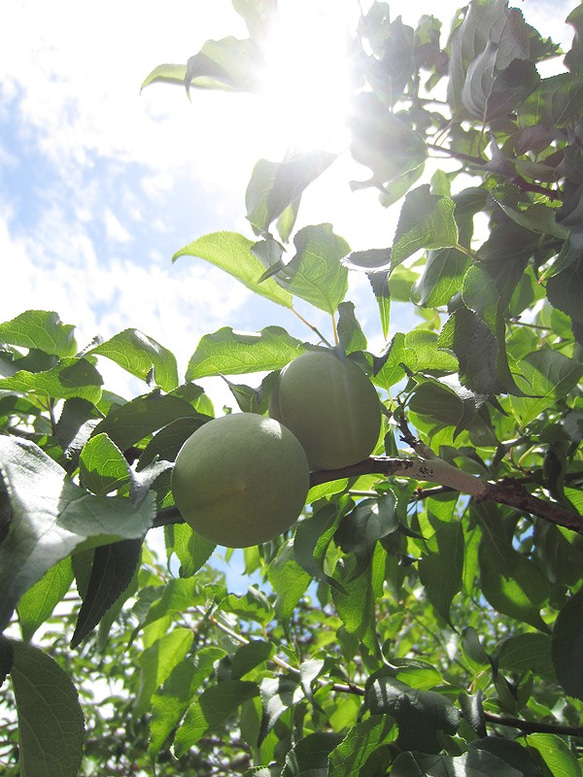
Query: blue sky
[(100, 185)]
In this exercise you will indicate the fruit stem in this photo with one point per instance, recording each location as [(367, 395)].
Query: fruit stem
[(313, 328)]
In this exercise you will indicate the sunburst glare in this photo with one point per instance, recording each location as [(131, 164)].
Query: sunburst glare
[(307, 80)]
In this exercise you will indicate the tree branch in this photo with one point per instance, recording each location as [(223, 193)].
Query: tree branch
[(509, 491), (531, 727)]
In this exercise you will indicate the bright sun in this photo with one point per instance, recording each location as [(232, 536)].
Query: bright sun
[(307, 82)]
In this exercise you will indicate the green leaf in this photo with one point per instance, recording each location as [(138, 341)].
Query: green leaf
[(354, 599), (228, 63), (512, 583), (547, 376), (139, 355), (441, 569), (386, 143), (129, 423), (41, 330), (556, 753), (481, 354), (380, 288), (567, 643), (564, 291), (316, 273), (51, 517), (157, 662), (192, 549), (426, 221), (102, 466), (442, 277), (289, 582), (170, 702), (227, 352), (529, 652), (50, 720), (250, 656), (370, 521), (166, 74), (37, 604), (420, 715), (112, 571), (309, 756), (210, 710), (69, 378), (232, 253), (257, 15), (475, 763), (352, 338), (253, 606), (278, 694), (274, 186), (360, 743)]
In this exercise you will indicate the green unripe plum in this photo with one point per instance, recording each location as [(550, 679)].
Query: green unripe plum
[(240, 480), (331, 406)]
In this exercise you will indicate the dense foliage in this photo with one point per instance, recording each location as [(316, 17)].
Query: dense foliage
[(424, 614)]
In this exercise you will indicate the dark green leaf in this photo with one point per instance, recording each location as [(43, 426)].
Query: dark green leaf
[(168, 441), (171, 701), (481, 354), (354, 599), (511, 582), (441, 569), (111, 573), (529, 652), (420, 715), (210, 710), (227, 352), (309, 756), (129, 423), (361, 742), (567, 644), (476, 763), (50, 719)]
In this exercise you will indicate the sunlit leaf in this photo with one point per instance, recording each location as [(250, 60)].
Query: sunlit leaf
[(139, 354), (227, 352), (232, 253), (42, 330)]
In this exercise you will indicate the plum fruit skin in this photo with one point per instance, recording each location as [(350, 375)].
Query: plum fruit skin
[(240, 480), (331, 406)]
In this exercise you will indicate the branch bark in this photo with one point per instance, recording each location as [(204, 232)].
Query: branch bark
[(509, 492)]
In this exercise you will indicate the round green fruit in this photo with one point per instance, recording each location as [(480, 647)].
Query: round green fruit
[(240, 480), (331, 407)]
